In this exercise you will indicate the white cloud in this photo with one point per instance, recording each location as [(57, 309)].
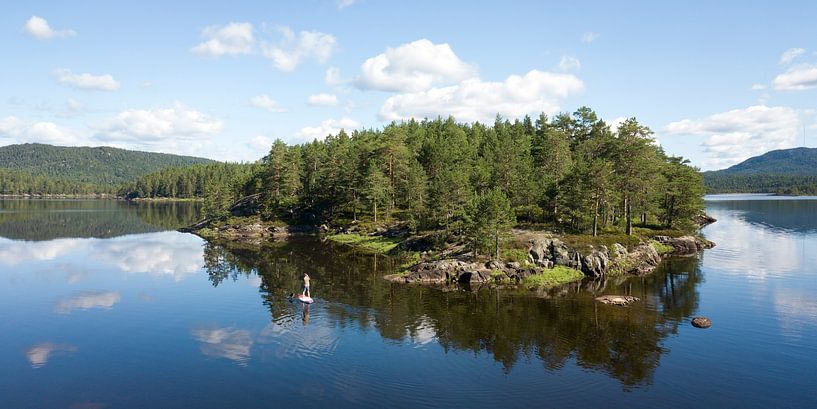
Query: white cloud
[(476, 100), (232, 39), (589, 37), (797, 78), (322, 100), (342, 4), (87, 301), (569, 63), (293, 48), (333, 77), (39, 28), (414, 67), (758, 87), (260, 143), (790, 55), (327, 127), (86, 81), (158, 124), (739, 134), (43, 132), (265, 102)]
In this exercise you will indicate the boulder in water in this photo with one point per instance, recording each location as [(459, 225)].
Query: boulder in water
[(617, 299), (701, 322)]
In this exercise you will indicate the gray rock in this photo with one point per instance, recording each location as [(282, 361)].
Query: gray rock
[(595, 263)]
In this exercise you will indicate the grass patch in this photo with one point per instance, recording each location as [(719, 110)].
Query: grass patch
[(376, 244), (517, 255), (662, 248), (552, 277)]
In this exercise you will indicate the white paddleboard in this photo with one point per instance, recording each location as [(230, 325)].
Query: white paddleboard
[(304, 299)]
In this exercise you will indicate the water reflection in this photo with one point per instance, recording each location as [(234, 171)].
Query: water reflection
[(165, 253), (228, 343), (33, 219), (88, 300), (762, 238), (625, 343), (38, 355)]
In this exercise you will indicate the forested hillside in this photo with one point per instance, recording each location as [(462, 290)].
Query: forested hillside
[(13, 182), (186, 182), (786, 171), (475, 180), (104, 166)]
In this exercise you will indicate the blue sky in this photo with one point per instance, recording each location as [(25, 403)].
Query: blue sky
[(716, 82)]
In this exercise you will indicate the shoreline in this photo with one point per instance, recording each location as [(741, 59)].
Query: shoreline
[(539, 259)]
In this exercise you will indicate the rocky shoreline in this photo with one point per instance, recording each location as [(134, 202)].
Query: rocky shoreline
[(547, 252), (549, 258)]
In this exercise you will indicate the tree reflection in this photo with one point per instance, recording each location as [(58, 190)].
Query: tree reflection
[(38, 220), (555, 327)]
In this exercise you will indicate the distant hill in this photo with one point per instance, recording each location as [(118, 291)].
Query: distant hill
[(785, 171), (103, 166)]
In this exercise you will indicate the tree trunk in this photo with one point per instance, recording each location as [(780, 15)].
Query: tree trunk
[(596, 218), (375, 211), (496, 245), (628, 215)]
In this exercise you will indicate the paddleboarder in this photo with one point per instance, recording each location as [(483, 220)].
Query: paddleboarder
[(306, 286)]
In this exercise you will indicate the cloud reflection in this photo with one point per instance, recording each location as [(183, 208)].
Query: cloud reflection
[(229, 343), (87, 301), (166, 253), (39, 354)]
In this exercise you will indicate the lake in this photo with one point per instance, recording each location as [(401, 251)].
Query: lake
[(105, 305)]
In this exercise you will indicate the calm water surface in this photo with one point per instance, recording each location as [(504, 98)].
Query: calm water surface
[(103, 305)]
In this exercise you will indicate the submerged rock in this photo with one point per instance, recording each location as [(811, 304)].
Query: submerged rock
[(701, 322), (617, 299)]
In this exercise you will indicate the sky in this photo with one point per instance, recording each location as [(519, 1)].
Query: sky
[(718, 82)]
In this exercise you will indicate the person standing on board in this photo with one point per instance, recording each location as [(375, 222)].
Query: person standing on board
[(306, 286)]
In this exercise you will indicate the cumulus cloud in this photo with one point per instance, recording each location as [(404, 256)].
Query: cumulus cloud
[(569, 63), (22, 131), (265, 102), (231, 39), (414, 67), (327, 127), (294, 48), (790, 55), (38, 27), (87, 301), (739, 134), (758, 87), (159, 254), (589, 37), (157, 124), (797, 78), (260, 142), (476, 100), (332, 76), (322, 100), (86, 81)]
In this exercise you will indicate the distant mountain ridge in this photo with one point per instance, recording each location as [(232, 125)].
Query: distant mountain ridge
[(785, 171), (100, 165), (795, 161)]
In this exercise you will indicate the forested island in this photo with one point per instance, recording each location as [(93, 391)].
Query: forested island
[(505, 201)]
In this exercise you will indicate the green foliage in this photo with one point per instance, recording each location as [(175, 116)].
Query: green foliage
[(557, 275), (469, 182), (488, 221), (86, 165), (14, 182), (517, 255), (662, 248)]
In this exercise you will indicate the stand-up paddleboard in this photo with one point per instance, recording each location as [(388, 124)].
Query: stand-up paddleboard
[(304, 299)]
